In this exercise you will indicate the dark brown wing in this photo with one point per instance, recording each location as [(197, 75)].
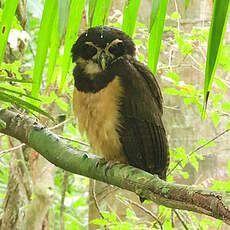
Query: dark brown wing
[(142, 135)]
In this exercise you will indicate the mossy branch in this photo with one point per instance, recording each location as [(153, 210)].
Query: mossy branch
[(127, 177)]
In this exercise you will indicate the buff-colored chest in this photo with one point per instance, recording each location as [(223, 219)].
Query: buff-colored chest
[(98, 116)]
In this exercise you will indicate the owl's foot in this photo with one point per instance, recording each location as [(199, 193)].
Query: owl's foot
[(108, 164), (101, 162)]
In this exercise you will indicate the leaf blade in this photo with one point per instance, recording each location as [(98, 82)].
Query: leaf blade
[(24, 104), (54, 48), (130, 12), (215, 40), (156, 36), (46, 27), (6, 23), (71, 34)]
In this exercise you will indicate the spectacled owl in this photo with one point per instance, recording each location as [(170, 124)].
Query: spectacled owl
[(118, 102)]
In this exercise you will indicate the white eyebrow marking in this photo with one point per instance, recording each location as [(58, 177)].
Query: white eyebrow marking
[(114, 42), (91, 44)]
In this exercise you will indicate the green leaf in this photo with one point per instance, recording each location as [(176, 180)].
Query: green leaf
[(49, 12), (175, 15), (215, 119), (71, 35), (186, 4), (100, 12), (174, 76), (228, 126), (215, 40), (100, 222), (23, 104), (226, 106), (63, 13), (180, 154), (204, 142), (154, 11), (10, 79), (62, 104), (216, 99), (54, 48), (91, 8), (5, 25), (156, 36), (110, 216), (188, 100), (171, 91), (131, 8), (19, 93), (221, 84)]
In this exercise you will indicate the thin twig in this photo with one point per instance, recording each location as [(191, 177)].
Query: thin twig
[(62, 205), (95, 199), (178, 20), (73, 140), (194, 21), (146, 211), (170, 58), (187, 215), (59, 124), (199, 148), (172, 108), (180, 218), (11, 149), (172, 217)]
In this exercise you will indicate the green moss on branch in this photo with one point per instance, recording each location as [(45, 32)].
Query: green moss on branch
[(127, 177)]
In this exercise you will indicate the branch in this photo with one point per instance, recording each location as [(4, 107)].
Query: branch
[(124, 176)]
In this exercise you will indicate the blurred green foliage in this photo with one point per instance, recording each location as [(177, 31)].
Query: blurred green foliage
[(16, 81)]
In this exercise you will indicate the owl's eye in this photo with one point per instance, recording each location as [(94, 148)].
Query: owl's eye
[(117, 49), (88, 51)]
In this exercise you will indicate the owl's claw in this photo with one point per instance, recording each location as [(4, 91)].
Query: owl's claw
[(101, 162), (108, 164)]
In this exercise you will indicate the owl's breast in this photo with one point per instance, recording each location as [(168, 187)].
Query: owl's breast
[(98, 115)]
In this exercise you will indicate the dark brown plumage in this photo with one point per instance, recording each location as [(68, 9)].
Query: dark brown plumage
[(118, 102)]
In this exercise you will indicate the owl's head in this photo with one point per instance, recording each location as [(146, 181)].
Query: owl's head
[(98, 47)]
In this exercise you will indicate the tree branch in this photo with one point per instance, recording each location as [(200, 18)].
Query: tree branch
[(124, 176)]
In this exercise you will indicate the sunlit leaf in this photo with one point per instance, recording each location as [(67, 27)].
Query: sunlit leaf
[(215, 119), (226, 106), (186, 4), (63, 13), (5, 25), (10, 79), (100, 12), (71, 35), (49, 12), (54, 48), (101, 222), (156, 36), (154, 11), (23, 104), (215, 40), (130, 16), (221, 84), (91, 8), (19, 93)]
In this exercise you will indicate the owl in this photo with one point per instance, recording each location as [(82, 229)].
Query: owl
[(118, 102)]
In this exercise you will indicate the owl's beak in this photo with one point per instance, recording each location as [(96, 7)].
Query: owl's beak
[(102, 60)]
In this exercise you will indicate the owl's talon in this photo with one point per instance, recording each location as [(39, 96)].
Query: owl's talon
[(101, 162), (109, 165)]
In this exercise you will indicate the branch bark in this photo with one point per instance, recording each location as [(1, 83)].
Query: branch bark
[(124, 176)]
